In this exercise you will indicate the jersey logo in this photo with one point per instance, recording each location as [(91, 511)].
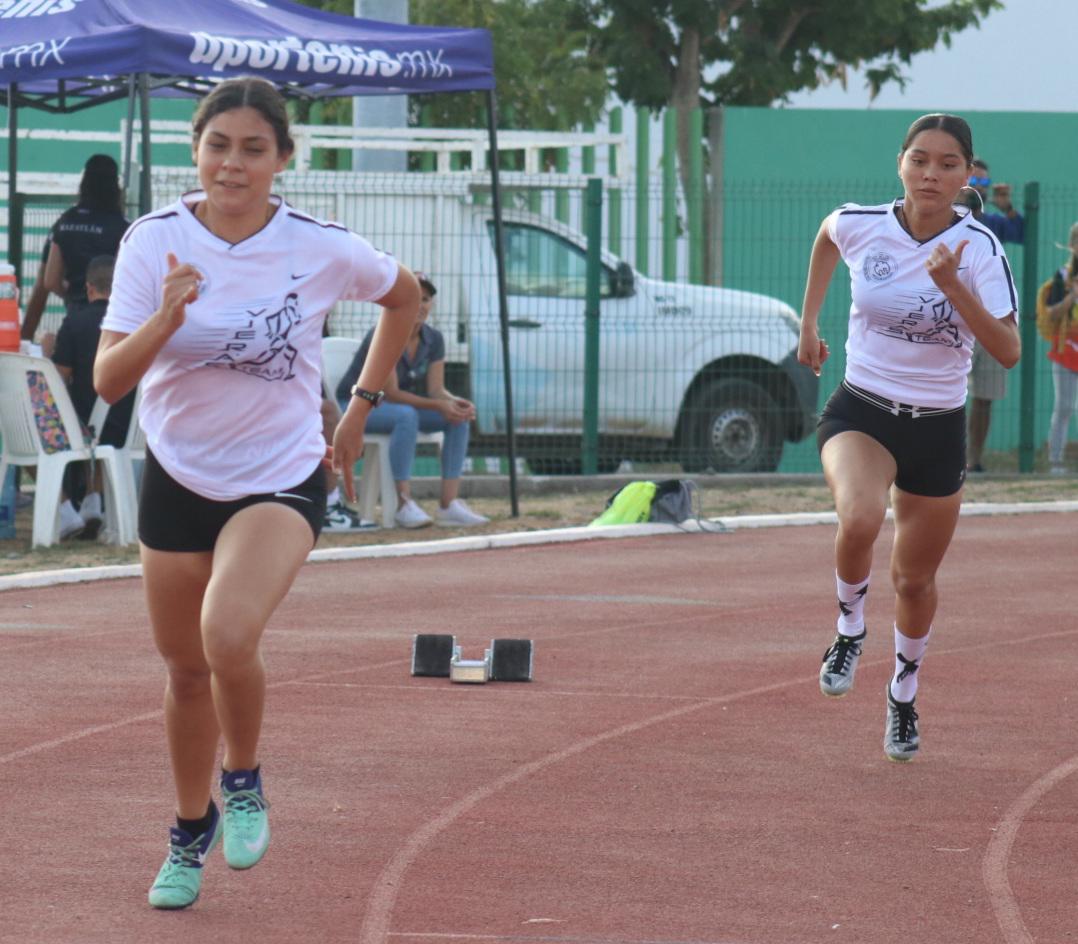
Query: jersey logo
[(878, 266), (927, 317), (261, 347)]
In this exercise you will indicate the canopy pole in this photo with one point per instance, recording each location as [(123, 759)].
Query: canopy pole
[(12, 167), (129, 136), (145, 194), (503, 300)]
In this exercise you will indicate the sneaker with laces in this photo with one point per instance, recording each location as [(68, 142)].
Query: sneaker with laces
[(91, 514), (410, 515), (71, 523), (459, 515), (178, 882), (340, 518), (246, 822), (900, 738), (840, 664)]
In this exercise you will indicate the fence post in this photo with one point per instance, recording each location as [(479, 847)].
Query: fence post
[(643, 168), (593, 229), (1027, 323), (670, 195), (561, 196)]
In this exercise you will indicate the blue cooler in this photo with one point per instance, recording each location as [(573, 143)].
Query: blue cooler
[(7, 505)]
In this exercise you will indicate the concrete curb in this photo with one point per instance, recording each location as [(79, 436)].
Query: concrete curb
[(483, 542)]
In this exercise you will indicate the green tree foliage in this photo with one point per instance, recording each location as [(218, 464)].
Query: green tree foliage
[(545, 77), (757, 52)]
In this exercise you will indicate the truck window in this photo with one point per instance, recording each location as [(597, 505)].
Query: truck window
[(538, 262)]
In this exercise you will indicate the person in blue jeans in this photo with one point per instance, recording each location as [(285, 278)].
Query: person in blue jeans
[(416, 400)]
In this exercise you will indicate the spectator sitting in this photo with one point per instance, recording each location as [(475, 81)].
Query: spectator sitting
[(76, 347), (416, 400)]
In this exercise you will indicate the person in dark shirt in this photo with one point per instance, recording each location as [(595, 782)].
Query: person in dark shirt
[(76, 347), (987, 378), (93, 227), (416, 399)]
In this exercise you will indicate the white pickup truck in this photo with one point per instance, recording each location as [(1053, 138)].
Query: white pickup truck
[(707, 376)]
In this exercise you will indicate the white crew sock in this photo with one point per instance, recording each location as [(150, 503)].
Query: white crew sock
[(851, 606), (909, 653), (333, 497)]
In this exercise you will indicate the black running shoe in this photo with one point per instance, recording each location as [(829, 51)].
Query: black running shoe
[(839, 665), (900, 738)]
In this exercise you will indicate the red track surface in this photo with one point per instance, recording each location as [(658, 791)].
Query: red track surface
[(672, 774)]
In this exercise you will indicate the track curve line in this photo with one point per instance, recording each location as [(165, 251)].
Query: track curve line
[(375, 927), (996, 857)]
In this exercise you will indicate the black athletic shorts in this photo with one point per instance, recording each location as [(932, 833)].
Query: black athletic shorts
[(928, 445), (173, 518)]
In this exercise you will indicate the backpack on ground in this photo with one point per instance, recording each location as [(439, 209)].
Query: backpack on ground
[(672, 501)]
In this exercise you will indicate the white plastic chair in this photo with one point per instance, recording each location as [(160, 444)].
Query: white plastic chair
[(40, 428), (134, 444), (376, 481)]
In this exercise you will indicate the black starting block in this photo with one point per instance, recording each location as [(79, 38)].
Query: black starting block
[(507, 660)]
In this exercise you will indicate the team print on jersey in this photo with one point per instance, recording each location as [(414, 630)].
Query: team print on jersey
[(254, 342), (925, 316)]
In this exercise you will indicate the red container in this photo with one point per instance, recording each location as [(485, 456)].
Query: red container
[(9, 309)]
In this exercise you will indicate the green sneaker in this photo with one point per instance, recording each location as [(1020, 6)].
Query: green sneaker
[(247, 831), (178, 882)]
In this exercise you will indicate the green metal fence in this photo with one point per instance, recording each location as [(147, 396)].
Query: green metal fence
[(655, 368)]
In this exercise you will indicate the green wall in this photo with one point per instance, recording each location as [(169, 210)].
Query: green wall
[(68, 157)]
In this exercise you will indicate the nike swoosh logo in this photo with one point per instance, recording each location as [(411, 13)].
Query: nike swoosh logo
[(291, 495), (301, 276), (259, 842)]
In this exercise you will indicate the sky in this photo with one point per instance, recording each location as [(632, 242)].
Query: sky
[(1023, 58)]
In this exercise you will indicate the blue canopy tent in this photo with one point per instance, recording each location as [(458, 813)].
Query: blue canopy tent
[(67, 55)]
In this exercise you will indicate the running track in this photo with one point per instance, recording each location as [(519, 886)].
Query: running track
[(672, 776)]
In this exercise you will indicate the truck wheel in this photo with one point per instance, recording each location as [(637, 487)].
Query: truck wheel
[(731, 426)]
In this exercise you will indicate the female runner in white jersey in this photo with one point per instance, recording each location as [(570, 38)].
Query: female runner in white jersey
[(217, 309), (927, 280)]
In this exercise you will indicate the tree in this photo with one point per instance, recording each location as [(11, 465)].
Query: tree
[(688, 53), (546, 79)]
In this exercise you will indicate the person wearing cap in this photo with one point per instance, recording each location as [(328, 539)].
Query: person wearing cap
[(416, 399), (1063, 352)]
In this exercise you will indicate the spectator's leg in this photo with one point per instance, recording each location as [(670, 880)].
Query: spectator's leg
[(401, 422), (454, 450), (1065, 383)]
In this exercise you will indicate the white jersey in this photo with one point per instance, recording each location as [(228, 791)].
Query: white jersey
[(906, 340), (231, 404)]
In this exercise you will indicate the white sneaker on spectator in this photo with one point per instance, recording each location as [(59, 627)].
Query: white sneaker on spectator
[(90, 512), (410, 515), (459, 515), (71, 522)]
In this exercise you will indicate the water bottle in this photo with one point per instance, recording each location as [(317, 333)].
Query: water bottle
[(9, 309)]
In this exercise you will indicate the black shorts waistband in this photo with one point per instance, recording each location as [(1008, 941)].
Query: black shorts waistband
[(894, 407)]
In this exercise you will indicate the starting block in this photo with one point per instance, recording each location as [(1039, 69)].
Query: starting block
[(507, 660)]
